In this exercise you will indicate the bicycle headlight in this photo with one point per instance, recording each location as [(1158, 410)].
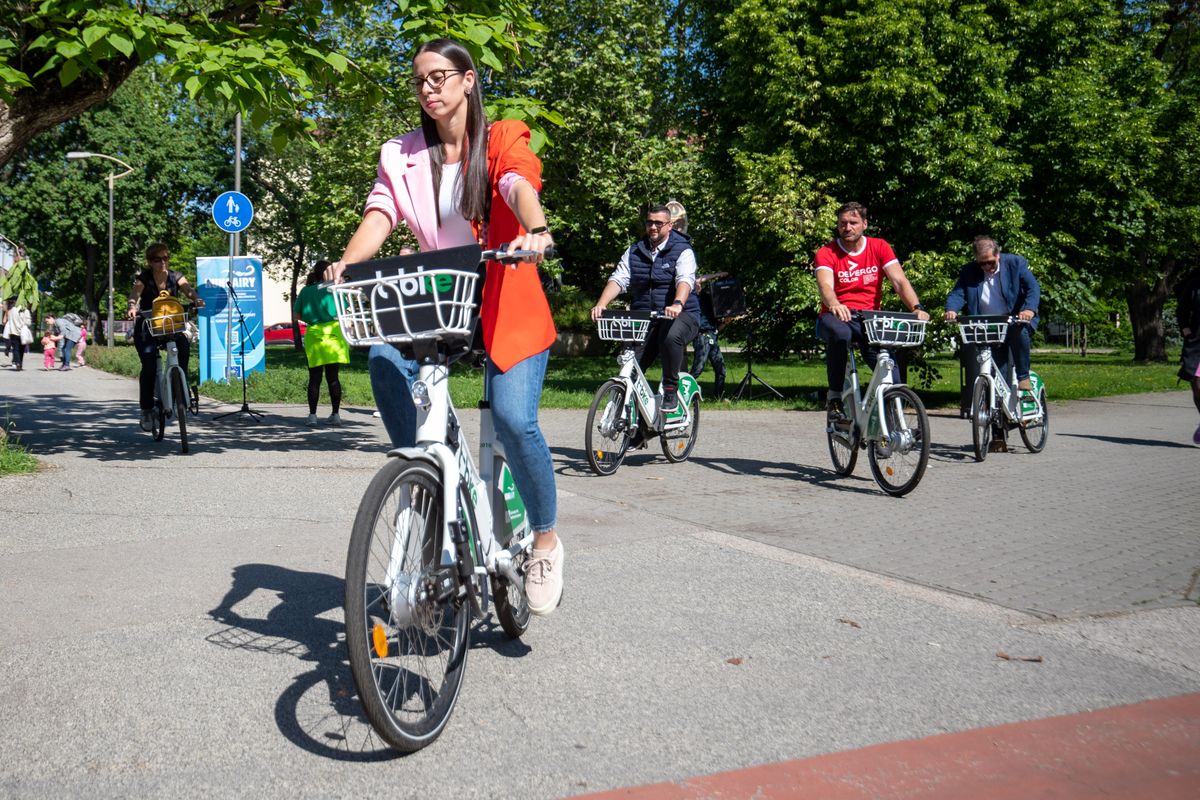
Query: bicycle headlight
[(420, 394)]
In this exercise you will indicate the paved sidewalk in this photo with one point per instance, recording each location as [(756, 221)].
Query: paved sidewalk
[(174, 622)]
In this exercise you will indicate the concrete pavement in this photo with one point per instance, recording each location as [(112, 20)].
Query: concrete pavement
[(174, 622)]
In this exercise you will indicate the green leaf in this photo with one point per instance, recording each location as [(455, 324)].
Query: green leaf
[(337, 61), (70, 48), (122, 44), (94, 33), (69, 72)]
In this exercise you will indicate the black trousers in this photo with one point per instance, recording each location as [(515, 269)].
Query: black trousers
[(671, 338)]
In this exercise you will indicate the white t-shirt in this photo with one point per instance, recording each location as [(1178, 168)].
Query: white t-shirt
[(454, 231)]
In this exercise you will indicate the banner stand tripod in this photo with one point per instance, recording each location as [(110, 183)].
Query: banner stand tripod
[(745, 387), (244, 334)]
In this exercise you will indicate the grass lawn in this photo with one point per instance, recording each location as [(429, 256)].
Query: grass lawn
[(14, 459), (571, 381)]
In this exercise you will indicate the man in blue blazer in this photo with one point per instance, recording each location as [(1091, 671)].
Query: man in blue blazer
[(1000, 283)]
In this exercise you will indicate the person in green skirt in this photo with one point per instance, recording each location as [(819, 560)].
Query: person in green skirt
[(324, 344)]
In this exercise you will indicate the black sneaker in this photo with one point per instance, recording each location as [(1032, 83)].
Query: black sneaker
[(835, 419), (670, 401)]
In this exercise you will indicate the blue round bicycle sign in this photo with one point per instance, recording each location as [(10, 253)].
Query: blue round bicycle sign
[(233, 212)]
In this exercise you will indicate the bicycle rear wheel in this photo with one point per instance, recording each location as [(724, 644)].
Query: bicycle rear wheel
[(406, 635), (512, 606), (843, 447), (981, 419), (1034, 436), (607, 434), (158, 419), (179, 394), (677, 444), (899, 463)]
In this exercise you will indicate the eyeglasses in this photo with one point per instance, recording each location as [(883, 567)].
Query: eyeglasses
[(153, 259), (435, 80), (657, 223)]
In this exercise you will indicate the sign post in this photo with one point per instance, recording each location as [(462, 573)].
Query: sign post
[(233, 213)]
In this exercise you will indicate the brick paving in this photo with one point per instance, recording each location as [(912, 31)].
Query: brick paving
[(1102, 521)]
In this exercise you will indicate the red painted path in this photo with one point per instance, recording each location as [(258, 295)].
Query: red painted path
[(1147, 750)]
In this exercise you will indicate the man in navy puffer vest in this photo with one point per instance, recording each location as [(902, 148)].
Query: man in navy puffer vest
[(659, 271)]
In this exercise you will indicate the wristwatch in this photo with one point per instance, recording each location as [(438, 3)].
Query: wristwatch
[(678, 303), (918, 307)]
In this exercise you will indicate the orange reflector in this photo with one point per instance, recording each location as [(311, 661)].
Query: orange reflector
[(890, 472), (599, 454), (379, 640)]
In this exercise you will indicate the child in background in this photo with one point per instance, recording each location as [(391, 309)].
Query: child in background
[(79, 348), (49, 346)]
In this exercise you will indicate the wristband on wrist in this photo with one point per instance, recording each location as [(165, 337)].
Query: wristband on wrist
[(918, 307), (539, 229), (677, 303)]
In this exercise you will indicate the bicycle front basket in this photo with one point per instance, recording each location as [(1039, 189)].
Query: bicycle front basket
[(893, 329), (167, 317), (623, 326), (405, 306), (983, 330)]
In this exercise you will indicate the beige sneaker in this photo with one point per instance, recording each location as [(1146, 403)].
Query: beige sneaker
[(544, 579)]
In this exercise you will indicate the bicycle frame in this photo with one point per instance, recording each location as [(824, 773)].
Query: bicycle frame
[(865, 406), (437, 427), (645, 400), (168, 362)]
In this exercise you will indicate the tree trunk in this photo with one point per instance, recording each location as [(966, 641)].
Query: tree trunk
[(1145, 318)]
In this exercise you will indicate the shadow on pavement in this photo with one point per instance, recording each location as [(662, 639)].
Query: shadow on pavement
[(108, 430), (319, 711), (1127, 441)]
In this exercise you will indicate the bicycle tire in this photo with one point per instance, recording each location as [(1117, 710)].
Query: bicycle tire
[(843, 449), (981, 419), (392, 569), (179, 395), (606, 441), (158, 420), (677, 444), (899, 470), (1035, 436), (512, 606)]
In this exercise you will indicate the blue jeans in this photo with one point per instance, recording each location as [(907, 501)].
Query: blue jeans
[(514, 396)]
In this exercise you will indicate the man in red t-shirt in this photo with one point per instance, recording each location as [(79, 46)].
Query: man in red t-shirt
[(849, 271)]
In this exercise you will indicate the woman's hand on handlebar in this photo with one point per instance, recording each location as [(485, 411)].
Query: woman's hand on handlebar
[(333, 273), (596, 312), (536, 242)]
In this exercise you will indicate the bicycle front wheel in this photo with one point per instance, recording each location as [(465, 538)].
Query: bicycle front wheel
[(1034, 436), (608, 433), (406, 636), (981, 419), (677, 444), (179, 394), (899, 463)]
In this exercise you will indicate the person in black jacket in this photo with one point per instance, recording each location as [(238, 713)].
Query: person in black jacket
[(1187, 314)]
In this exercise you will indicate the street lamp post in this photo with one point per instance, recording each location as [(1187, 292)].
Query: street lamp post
[(74, 154)]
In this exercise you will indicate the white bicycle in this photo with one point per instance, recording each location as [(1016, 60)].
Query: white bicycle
[(889, 418), (173, 398), (437, 534), (996, 405), (626, 401)]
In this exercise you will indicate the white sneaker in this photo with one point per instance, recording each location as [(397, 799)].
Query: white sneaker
[(335, 419), (311, 421), (544, 579)]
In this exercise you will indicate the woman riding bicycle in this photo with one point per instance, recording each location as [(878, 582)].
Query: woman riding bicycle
[(455, 181), (156, 278)]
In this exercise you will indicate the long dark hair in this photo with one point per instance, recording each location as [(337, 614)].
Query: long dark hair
[(473, 201)]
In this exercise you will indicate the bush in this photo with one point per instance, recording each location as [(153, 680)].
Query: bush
[(572, 309)]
